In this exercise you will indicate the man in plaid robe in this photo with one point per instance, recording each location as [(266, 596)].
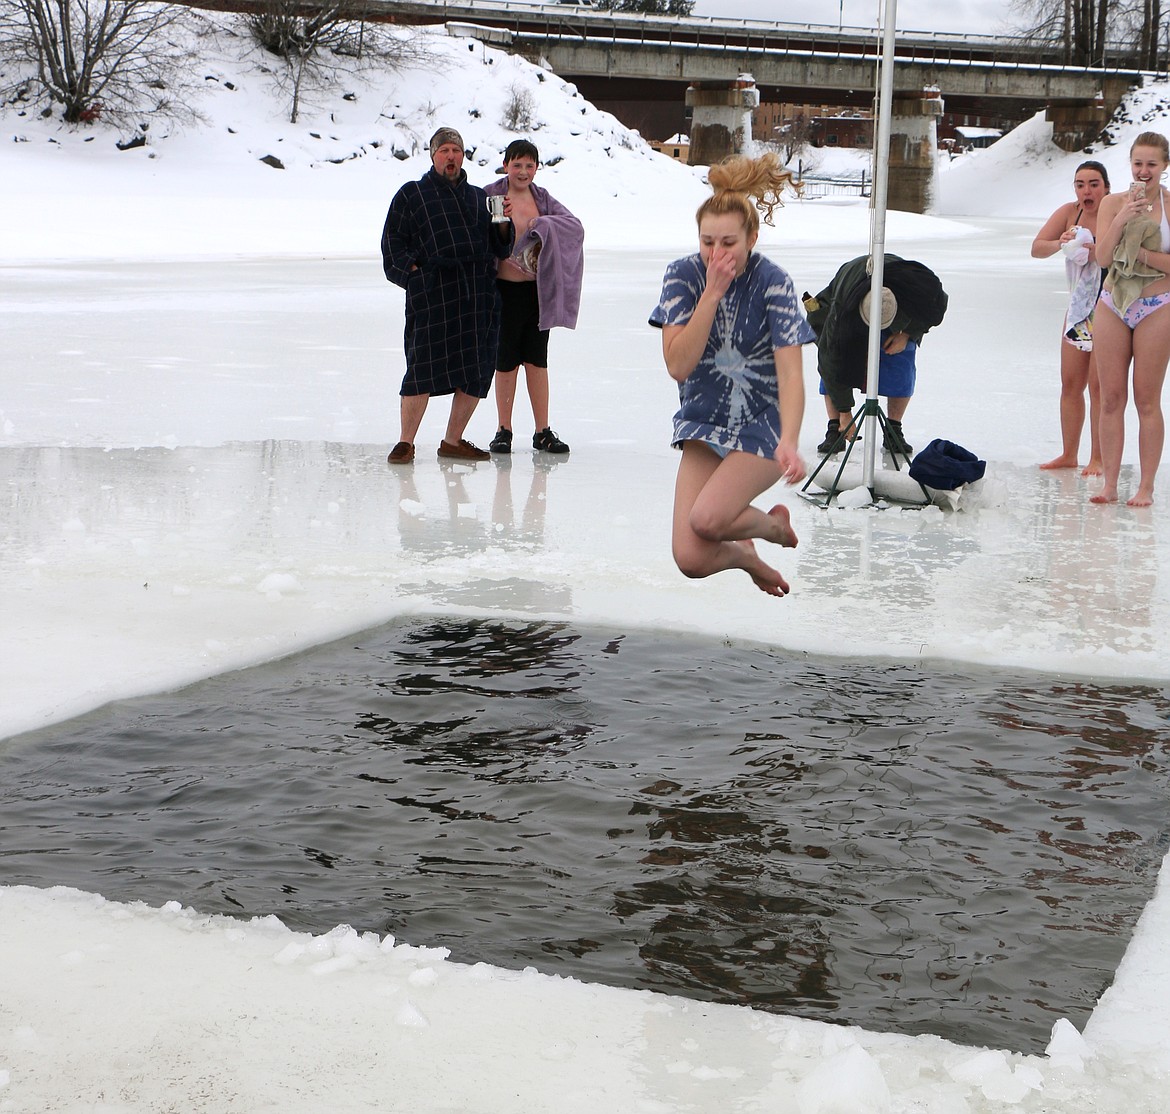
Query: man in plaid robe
[(441, 245)]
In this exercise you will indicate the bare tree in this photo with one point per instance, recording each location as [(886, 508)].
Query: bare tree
[(651, 7), (1076, 27), (1149, 27), (297, 35), (794, 137), (315, 41), (95, 58), (519, 110), (1088, 32)]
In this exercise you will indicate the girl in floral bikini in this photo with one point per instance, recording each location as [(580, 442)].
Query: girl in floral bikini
[(732, 330), (1134, 331)]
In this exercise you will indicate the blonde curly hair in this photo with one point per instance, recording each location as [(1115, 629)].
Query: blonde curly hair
[(747, 187)]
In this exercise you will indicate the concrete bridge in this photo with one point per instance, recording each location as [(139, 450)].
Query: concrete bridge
[(617, 57)]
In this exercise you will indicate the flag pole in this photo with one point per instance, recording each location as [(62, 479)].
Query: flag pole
[(877, 244)]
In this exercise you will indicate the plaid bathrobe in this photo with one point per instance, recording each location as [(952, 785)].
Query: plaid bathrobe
[(443, 230)]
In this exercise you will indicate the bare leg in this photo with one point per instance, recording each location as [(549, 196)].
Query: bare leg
[(505, 396), (1151, 351), (537, 380), (412, 410), (896, 408), (1113, 344), (1093, 468), (1074, 378), (462, 407), (714, 521), (844, 417), (834, 416)]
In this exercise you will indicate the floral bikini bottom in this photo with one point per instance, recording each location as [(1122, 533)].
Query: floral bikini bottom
[(1138, 310)]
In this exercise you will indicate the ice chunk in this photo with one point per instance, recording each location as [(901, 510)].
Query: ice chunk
[(277, 584), (848, 1083), (411, 1016), (290, 953), (992, 1073), (334, 964), (854, 498), (1067, 1047)]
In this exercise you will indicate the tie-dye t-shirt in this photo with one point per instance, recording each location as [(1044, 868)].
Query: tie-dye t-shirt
[(730, 400)]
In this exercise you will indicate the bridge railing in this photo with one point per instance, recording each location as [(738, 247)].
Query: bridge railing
[(813, 185), (713, 31)]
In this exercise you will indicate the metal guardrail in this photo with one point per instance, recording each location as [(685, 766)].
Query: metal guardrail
[(710, 22), (587, 22), (813, 186)]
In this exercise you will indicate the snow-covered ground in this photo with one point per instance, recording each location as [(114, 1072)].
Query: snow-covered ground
[(199, 386)]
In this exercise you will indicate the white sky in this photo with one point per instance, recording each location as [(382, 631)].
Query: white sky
[(969, 16), (982, 17), (262, 517)]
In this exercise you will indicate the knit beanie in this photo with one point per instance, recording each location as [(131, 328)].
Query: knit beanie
[(445, 135), (889, 306)]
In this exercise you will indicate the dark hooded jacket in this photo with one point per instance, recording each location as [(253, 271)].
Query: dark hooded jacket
[(444, 231), (842, 335)]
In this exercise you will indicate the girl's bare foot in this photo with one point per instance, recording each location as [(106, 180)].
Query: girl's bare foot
[(1105, 495), (1061, 461), (766, 578), (785, 535), (1093, 468), (1143, 498)]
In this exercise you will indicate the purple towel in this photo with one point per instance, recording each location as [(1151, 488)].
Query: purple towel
[(562, 259)]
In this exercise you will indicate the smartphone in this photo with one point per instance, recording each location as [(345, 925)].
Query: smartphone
[(1137, 191)]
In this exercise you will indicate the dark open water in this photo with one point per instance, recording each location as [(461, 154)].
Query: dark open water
[(887, 846)]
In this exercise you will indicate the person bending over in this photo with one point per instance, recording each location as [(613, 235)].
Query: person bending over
[(913, 302)]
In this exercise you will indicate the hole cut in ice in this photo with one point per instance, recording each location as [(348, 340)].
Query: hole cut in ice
[(900, 847)]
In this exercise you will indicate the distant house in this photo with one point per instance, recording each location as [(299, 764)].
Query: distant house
[(842, 129), (677, 147), (977, 137), (797, 125)]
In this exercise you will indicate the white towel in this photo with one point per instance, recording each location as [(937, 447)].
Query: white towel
[(1084, 285)]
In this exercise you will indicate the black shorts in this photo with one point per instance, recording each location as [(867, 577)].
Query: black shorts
[(521, 341)]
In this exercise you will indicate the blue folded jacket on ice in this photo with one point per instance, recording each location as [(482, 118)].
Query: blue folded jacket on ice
[(945, 465)]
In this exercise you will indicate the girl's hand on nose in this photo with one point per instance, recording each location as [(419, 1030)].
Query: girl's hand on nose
[(720, 271)]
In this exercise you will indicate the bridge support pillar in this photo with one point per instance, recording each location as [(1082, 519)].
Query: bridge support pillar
[(1076, 124), (721, 118), (913, 172)]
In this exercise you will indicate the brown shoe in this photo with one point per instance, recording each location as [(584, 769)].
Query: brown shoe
[(464, 450), (402, 453)]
